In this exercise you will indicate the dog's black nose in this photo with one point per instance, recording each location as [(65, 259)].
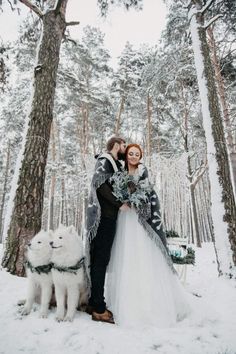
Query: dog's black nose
[(29, 244), (51, 243)]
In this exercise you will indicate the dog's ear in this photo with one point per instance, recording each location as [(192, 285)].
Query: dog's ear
[(62, 228)]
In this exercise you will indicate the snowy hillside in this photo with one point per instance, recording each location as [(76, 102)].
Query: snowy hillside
[(210, 330)]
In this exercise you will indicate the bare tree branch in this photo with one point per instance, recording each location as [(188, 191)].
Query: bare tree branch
[(67, 38), (212, 20), (12, 8), (33, 7), (206, 7), (72, 23)]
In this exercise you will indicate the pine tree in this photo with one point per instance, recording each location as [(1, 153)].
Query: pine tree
[(28, 203), (223, 203)]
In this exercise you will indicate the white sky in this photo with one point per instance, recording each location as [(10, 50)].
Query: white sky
[(120, 26)]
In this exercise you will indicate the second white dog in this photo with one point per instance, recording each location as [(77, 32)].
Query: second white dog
[(68, 272)]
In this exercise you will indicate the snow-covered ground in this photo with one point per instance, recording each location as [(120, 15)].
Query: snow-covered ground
[(210, 329)]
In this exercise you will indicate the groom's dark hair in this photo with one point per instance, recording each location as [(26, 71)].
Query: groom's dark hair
[(111, 142)]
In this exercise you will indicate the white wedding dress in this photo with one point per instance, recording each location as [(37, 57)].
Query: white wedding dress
[(141, 289)]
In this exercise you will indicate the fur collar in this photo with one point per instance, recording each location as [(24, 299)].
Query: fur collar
[(110, 158)]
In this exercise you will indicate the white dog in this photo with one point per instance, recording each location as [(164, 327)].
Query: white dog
[(38, 269), (68, 272)]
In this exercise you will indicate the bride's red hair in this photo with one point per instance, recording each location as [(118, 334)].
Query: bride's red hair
[(129, 147)]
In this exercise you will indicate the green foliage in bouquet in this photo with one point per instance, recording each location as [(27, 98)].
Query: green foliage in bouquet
[(128, 189)]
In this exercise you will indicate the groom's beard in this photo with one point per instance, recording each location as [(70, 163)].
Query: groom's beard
[(121, 156)]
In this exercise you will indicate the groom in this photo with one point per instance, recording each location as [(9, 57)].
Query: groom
[(101, 225)]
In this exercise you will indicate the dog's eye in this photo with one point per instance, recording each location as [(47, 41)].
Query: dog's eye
[(39, 242), (60, 237)]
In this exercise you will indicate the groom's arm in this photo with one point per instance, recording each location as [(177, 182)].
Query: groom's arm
[(105, 192)]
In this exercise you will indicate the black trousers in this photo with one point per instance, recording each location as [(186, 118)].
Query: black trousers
[(100, 251)]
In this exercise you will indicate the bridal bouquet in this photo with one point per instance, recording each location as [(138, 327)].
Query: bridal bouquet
[(128, 189)]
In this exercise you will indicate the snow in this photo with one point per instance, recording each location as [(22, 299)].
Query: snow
[(209, 330), (218, 211)]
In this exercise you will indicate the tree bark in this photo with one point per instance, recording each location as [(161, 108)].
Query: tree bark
[(4, 190), (224, 105), (203, 192), (222, 196), (28, 202)]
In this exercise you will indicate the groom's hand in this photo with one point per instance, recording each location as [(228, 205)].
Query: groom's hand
[(124, 207)]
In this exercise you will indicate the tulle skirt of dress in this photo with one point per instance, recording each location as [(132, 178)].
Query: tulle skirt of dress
[(141, 289)]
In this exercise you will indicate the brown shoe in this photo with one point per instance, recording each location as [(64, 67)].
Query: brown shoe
[(89, 309), (106, 316)]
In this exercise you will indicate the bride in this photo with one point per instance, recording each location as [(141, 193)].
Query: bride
[(142, 285)]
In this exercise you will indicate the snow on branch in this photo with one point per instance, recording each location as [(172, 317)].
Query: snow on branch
[(206, 6), (186, 6), (9, 2), (194, 11), (212, 20), (33, 7)]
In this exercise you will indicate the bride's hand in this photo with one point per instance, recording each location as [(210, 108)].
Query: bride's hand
[(124, 207)]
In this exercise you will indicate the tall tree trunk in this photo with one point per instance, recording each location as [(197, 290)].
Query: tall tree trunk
[(195, 219), (194, 207), (66, 211), (53, 182), (4, 192), (224, 105), (85, 136), (118, 117), (203, 192), (82, 144), (28, 202), (222, 196), (149, 115)]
